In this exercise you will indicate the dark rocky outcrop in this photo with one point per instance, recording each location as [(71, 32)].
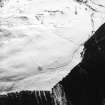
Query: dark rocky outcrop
[(85, 85)]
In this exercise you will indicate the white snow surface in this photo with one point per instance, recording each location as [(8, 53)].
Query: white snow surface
[(47, 43)]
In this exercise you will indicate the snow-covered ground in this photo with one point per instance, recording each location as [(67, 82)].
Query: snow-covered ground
[(46, 39)]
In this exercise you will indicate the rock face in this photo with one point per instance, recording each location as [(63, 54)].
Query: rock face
[(86, 80), (93, 62)]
